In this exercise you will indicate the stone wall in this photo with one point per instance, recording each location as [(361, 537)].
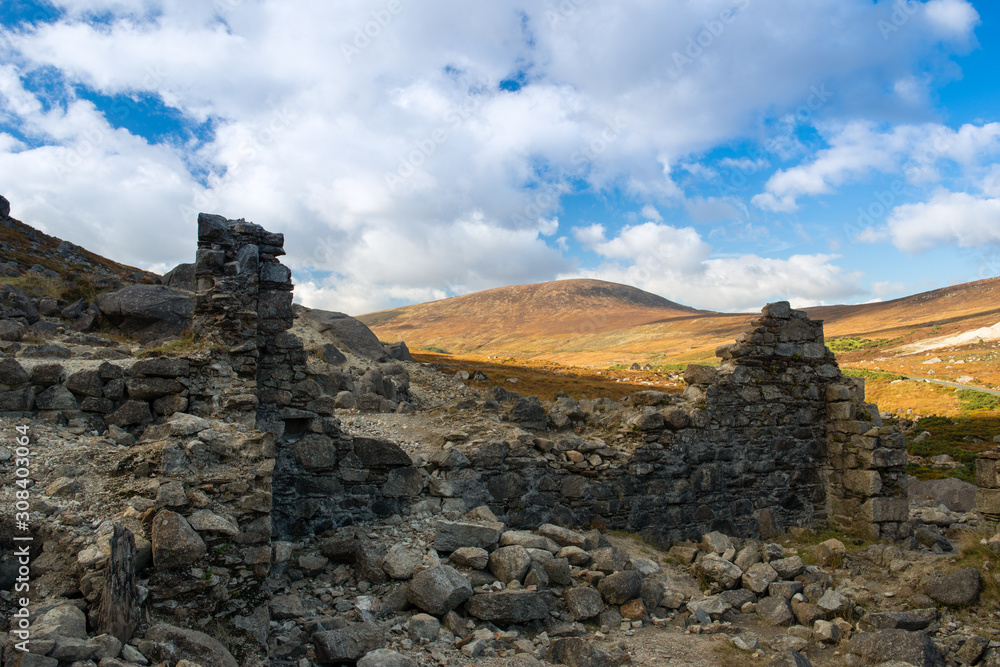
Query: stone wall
[(774, 437), (988, 481)]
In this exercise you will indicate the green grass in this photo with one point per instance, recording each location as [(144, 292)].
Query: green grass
[(956, 438), (851, 344), (977, 400), (435, 349)]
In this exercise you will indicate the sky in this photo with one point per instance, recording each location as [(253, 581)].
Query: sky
[(720, 153)]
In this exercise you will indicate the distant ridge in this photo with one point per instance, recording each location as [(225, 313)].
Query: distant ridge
[(593, 322), (508, 316)]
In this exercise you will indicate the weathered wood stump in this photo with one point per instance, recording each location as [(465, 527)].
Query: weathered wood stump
[(119, 611)]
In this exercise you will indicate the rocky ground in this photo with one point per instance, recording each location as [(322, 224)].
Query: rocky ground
[(450, 585)]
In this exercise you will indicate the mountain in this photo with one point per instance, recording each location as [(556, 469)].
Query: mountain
[(44, 265), (592, 322), (523, 318)]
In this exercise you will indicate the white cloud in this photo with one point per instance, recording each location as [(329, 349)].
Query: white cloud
[(954, 18), (949, 218), (859, 149), (677, 264), (306, 136), (650, 213)]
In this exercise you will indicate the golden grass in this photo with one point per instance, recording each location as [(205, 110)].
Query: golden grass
[(546, 379)]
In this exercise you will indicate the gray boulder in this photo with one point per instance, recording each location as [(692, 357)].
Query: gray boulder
[(147, 312), (914, 648), (956, 589), (620, 587), (453, 535), (4, 207), (511, 606), (789, 658), (775, 609), (583, 602), (181, 277), (175, 542), (348, 644), (344, 331), (510, 563), (385, 657), (398, 351), (956, 495), (438, 589), (720, 570), (173, 643), (758, 577), (577, 652), (331, 355)]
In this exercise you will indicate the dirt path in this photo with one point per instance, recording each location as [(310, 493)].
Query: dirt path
[(953, 385)]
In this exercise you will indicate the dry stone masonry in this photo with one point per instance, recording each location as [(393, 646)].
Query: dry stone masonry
[(236, 446)]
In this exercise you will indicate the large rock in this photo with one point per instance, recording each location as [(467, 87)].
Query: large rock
[(565, 537), (181, 277), (438, 589), (63, 621), (175, 542), (913, 648), (174, 643), (510, 563), (377, 453), (149, 388), (398, 351), (958, 496), (402, 561), (775, 609), (620, 587), (452, 535), (720, 570), (148, 312), (348, 644), (583, 602), (345, 332), (609, 560), (789, 658), (511, 606), (56, 398), (131, 413), (385, 657), (12, 373), (758, 577), (577, 652), (958, 588), (788, 568)]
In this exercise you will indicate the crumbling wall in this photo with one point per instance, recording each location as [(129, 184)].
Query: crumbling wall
[(774, 437), (988, 481)]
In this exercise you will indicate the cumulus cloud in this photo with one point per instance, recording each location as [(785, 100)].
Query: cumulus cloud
[(423, 152), (678, 264), (860, 148), (948, 218)]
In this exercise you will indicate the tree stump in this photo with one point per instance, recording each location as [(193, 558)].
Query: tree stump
[(119, 612)]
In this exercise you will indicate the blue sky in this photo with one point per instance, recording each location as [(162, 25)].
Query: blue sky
[(721, 153)]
